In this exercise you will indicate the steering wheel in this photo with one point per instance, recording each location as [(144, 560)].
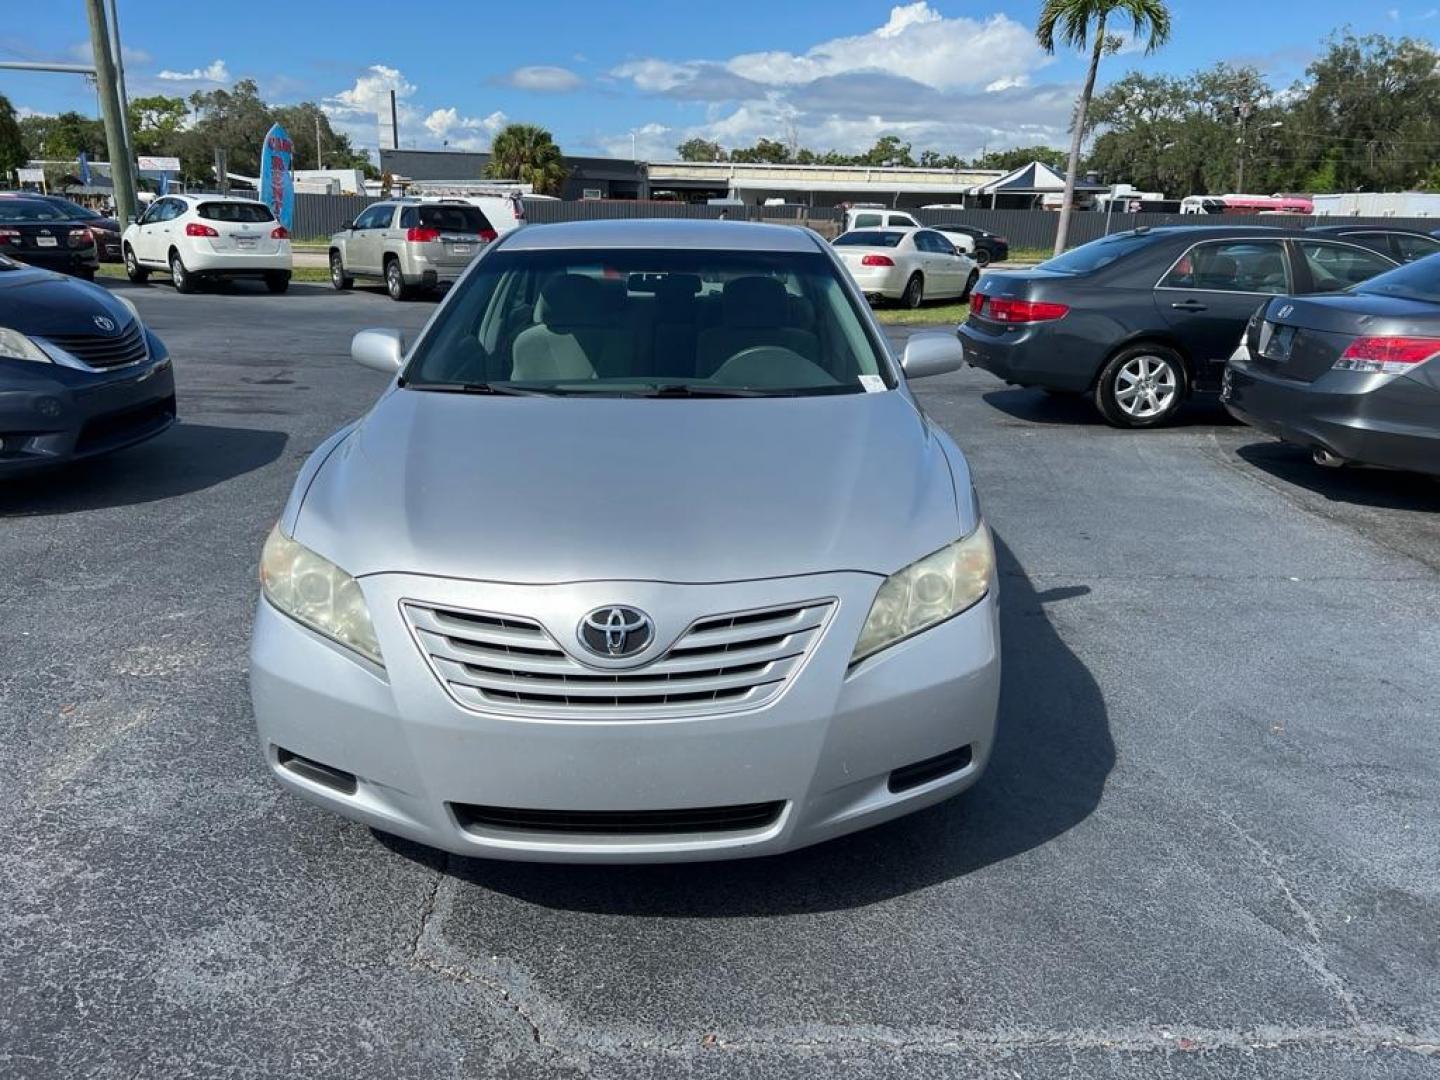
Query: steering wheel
[(771, 365)]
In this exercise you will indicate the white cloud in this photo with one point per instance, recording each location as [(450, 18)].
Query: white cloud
[(953, 84), (542, 78), (356, 111), (464, 132), (215, 72), (371, 92)]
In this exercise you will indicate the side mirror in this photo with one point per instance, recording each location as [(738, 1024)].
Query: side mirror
[(932, 352), (379, 350)]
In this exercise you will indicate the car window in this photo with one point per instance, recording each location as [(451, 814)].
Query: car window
[(446, 218), (903, 221), (935, 242), (628, 321), (1252, 266), (1410, 248), (873, 238), (1419, 280), (1335, 267), (377, 217), (1098, 253), (246, 212), (866, 221), (17, 210)]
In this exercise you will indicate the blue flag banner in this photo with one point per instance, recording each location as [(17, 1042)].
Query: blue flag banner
[(277, 179), (84, 169)]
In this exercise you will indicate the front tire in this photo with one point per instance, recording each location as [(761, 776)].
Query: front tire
[(914, 294), (183, 280), (277, 282), (395, 281), (338, 278), (1141, 387), (133, 270)]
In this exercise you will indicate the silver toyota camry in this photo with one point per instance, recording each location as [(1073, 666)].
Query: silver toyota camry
[(646, 553)]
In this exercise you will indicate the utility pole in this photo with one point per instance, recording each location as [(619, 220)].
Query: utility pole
[(120, 164), (1242, 114), (319, 156), (119, 54)]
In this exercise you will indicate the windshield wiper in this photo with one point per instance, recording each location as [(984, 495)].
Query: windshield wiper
[(472, 388), (688, 390)]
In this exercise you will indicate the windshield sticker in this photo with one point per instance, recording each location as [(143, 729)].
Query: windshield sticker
[(873, 384)]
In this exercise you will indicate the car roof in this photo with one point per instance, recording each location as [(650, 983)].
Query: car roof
[(1358, 227), (1215, 232), (663, 233)]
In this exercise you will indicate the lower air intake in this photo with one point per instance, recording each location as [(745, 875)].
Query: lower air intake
[(922, 772), (703, 819)]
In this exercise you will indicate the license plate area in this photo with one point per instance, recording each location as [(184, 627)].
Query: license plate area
[(46, 241), (460, 249), (245, 241), (1276, 342)]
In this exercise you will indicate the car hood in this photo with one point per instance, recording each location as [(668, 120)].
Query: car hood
[(41, 302), (543, 489)]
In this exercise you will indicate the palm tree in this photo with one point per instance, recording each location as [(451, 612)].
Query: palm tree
[(1074, 22), (527, 153)]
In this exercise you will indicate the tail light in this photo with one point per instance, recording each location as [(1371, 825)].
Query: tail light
[(488, 235), (421, 235), (279, 233), (196, 229), (877, 260), (977, 303), (81, 238), (1003, 309), (9, 236), (1387, 355)]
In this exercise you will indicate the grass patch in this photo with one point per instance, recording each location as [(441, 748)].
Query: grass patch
[(948, 314), (1031, 255), (309, 274)]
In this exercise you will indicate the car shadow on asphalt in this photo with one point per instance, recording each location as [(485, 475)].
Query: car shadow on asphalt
[(1047, 771), (1037, 407), (185, 459), (1383, 489)]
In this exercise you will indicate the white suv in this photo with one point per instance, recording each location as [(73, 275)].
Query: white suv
[(196, 237)]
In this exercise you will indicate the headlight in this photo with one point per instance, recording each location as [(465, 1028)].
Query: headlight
[(928, 592), (19, 347), (316, 592), (129, 306)]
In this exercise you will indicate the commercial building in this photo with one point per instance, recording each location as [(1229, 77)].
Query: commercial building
[(585, 177)]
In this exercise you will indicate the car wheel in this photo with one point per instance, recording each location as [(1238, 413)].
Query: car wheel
[(981, 257), (970, 283), (914, 294), (1142, 386), (338, 277), (133, 270), (395, 281), (277, 283), (183, 280)]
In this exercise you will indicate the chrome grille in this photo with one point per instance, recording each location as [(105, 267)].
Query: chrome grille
[(507, 663), (104, 350)]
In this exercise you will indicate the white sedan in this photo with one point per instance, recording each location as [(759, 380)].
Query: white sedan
[(197, 237), (909, 265)]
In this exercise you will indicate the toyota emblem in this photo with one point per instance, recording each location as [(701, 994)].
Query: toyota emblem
[(616, 632), (105, 323)]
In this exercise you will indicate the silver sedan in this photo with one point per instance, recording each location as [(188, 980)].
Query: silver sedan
[(647, 553)]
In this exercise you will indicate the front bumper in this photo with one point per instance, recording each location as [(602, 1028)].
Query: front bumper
[(65, 260), (51, 414), (823, 751), (1032, 354), (1388, 420)]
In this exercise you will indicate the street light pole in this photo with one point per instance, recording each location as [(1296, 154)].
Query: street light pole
[(120, 70), (1242, 113), (120, 165)]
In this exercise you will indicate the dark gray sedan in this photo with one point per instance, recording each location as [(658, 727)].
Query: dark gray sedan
[(1354, 377), (80, 374)]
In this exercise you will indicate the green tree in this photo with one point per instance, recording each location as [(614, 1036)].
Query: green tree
[(769, 151), (1073, 23), (888, 150), (156, 123), (63, 137), (12, 143), (235, 120), (527, 153), (1021, 156), (698, 149), (300, 121)]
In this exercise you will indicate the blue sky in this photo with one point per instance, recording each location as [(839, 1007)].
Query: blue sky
[(955, 76)]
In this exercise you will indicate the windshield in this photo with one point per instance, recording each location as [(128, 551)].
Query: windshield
[(1419, 280), (642, 323), (29, 211), (1097, 254), (862, 238)]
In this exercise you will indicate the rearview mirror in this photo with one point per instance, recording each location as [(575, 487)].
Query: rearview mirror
[(931, 352), (379, 350)]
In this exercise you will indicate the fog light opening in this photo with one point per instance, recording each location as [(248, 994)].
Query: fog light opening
[(919, 773), (335, 779)]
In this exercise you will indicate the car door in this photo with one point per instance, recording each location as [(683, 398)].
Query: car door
[(939, 263), (150, 247), (165, 229), (362, 250), (1209, 293)]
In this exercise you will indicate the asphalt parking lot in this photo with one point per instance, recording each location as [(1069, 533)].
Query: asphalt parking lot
[(1206, 846)]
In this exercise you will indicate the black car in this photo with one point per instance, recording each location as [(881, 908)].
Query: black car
[(1352, 378), (43, 235), (984, 247), (1143, 319), (80, 374), (1403, 245), (106, 229)]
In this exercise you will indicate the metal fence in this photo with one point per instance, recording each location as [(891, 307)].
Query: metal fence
[(547, 211), (318, 216)]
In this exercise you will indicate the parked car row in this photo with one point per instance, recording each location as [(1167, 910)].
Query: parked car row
[(1336, 359), (106, 230)]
